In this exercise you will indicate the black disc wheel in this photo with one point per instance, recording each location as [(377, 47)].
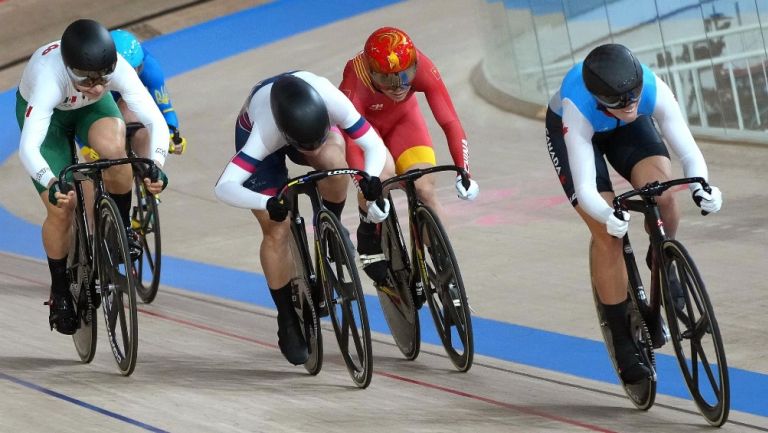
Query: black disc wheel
[(643, 393), (81, 275), (695, 334), (117, 286), (396, 298), (303, 302), (344, 297), (146, 222), (445, 291)]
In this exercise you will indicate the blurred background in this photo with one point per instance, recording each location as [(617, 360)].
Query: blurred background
[(711, 53)]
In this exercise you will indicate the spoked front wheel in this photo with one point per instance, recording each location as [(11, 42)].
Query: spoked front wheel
[(118, 286), (344, 297), (146, 222), (695, 334), (445, 291)]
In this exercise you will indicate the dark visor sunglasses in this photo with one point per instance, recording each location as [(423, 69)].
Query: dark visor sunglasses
[(91, 78), (395, 80), (620, 101)]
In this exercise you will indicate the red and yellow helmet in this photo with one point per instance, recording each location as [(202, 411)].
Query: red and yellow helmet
[(389, 50)]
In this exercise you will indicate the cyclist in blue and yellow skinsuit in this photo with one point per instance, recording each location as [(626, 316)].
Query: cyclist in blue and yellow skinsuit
[(152, 76)]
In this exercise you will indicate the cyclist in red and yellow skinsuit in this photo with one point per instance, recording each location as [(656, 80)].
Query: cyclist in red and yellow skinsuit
[(381, 82)]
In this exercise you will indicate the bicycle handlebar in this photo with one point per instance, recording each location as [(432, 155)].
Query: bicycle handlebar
[(419, 172), (314, 176), (653, 189), (98, 165)]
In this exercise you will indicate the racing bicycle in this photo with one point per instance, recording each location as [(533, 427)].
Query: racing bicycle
[(326, 281), (677, 287), (145, 215), (429, 272), (99, 264)]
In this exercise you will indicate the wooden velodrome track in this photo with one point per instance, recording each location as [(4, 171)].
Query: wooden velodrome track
[(208, 360)]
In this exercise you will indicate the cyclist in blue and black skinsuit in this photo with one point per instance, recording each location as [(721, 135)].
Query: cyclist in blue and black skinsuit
[(605, 109)]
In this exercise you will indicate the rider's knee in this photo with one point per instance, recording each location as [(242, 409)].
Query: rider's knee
[(605, 242), (107, 137), (666, 200), (426, 192), (58, 216), (276, 234), (336, 143)]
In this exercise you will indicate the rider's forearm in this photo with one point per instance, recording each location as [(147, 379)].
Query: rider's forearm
[(32, 136), (375, 151), (234, 194)]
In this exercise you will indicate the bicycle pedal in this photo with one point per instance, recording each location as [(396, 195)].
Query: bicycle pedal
[(322, 309), (660, 335), (417, 293)]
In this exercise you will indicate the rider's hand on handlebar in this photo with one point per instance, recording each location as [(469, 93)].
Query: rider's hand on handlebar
[(467, 193), (708, 202), (371, 188), (617, 227), (178, 144), (375, 213), (278, 210), (155, 180), (61, 198)]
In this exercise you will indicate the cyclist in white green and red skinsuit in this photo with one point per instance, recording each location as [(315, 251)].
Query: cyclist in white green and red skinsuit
[(64, 93), (605, 109)]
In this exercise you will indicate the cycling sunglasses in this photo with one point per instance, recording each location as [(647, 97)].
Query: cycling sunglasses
[(396, 80), (91, 78), (620, 101)]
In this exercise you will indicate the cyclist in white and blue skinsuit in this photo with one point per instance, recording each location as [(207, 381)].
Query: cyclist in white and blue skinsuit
[(295, 115), (605, 109)]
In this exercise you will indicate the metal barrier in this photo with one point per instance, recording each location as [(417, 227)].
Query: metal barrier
[(719, 75)]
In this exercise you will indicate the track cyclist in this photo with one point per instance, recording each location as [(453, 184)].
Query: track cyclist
[(381, 81), (64, 93), (291, 115), (151, 74), (605, 109)]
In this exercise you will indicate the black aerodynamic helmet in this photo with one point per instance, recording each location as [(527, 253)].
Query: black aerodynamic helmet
[(299, 112), (613, 75), (87, 46)]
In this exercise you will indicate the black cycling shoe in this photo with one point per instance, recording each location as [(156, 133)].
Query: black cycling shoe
[(62, 315), (631, 367), (371, 254), (134, 244), (291, 341)]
